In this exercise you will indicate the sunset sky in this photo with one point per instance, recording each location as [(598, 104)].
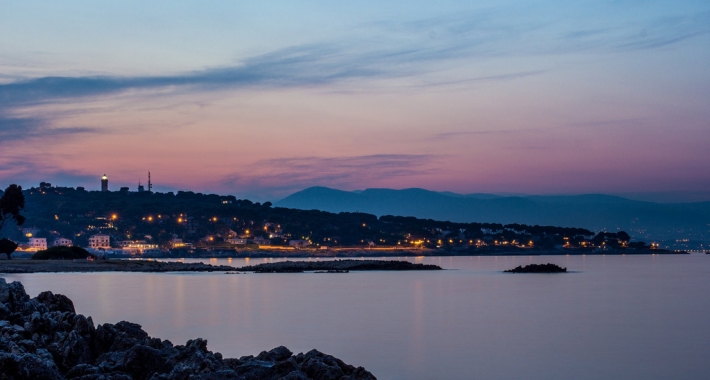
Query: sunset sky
[(261, 100)]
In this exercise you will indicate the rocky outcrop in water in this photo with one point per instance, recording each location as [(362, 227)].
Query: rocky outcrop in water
[(40, 266), (43, 338), (537, 268), (336, 266)]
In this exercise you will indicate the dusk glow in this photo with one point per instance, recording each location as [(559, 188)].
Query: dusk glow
[(505, 96)]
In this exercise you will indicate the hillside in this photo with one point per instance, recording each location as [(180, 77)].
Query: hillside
[(210, 221), (644, 220)]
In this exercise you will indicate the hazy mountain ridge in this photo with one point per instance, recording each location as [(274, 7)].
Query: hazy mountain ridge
[(592, 211)]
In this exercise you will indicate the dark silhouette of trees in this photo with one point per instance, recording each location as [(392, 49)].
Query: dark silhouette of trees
[(11, 203), (7, 247)]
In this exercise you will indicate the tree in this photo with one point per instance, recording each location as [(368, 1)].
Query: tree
[(11, 203)]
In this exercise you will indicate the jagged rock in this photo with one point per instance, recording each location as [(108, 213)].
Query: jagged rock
[(277, 354), (83, 370), (43, 338), (56, 302), (26, 366), (142, 362)]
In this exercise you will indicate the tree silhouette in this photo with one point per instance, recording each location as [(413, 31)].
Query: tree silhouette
[(11, 203)]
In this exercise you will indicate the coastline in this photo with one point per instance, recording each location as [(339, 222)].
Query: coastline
[(366, 253), (44, 338), (85, 266), (153, 265)]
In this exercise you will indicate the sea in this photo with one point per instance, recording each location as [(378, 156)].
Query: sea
[(609, 317)]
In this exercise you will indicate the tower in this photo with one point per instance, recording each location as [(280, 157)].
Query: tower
[(150, 184), (104, 183)]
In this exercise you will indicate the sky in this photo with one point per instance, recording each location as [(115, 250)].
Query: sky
[(260, 100)]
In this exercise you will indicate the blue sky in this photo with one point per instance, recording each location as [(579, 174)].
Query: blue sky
[(261, 100)]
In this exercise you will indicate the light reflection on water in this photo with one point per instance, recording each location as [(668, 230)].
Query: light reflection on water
[(631, 317)]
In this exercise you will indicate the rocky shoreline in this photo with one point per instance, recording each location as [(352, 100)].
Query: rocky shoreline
[(54, 266), (336, 266), (152, 266), (43, 338)]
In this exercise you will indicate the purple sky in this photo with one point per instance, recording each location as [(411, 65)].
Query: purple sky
[(261, 101)]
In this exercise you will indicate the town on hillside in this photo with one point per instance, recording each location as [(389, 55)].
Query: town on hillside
[(145, 223)]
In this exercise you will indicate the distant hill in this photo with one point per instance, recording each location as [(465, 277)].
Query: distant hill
[(593, 211)]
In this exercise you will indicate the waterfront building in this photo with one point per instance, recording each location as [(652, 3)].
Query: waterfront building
[(100, 241), (139, 247), (236, 241), (59, 242), (37, 244)]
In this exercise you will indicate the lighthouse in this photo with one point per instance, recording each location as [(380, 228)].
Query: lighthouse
[(104, 183)]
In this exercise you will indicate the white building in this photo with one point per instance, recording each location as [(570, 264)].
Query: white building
[(100, 241), (236, 241), (38, 244), (62, 242)]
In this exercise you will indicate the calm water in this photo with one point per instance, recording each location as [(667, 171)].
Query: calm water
[(615, 317)]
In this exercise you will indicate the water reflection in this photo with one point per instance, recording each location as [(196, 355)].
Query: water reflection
[(628, 317)]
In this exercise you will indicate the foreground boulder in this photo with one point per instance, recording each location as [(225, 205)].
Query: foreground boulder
[(44, 338)]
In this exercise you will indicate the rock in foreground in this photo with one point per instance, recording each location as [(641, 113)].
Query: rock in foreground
[(43, 338), (336, 265), (538, 268)]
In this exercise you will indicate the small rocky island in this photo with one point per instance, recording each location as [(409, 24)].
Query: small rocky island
[(538, 268), (44, 338), (336, 266)]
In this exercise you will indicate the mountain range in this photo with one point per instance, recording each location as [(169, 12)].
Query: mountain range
[(597, 212)]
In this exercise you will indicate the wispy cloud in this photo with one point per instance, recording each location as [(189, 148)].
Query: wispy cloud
[(403, 49), (274, 178), (457, 134), (13, 129), (29, 172), (612, 122), (298, 66)]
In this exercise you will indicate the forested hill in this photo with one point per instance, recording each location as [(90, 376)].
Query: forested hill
[(160, 217), (644, 220)]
